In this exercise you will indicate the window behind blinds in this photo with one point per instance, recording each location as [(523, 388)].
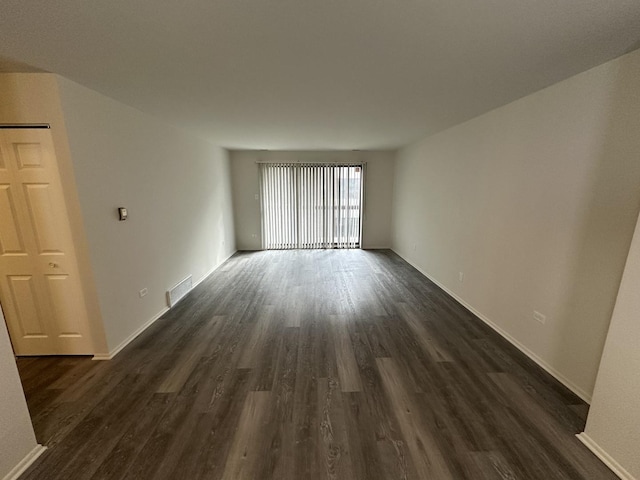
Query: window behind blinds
[(311, 206)]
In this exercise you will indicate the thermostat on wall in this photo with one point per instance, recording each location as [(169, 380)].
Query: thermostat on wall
[(122, 213)]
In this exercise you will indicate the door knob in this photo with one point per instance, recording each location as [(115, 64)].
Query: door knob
[(53, 265)]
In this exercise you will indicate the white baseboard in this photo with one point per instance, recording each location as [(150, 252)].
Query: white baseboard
[(131, 337), (607, 459), (148, 323), (586, 396), (202, 279), (102, 356), (25, 463)]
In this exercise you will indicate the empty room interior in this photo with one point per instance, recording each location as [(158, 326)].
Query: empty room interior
[(320, 240)]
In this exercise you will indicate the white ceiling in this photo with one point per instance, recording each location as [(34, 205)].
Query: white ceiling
[(317, 74)]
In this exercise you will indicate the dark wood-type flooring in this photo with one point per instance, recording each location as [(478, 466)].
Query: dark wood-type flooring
[(308, 365)]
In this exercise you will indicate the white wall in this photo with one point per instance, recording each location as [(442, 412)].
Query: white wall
[(176, 188), (614, 417), (536, 203), (376, 228), (17, 439)]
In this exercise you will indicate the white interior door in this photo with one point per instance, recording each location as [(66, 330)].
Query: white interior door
[(40, 287)]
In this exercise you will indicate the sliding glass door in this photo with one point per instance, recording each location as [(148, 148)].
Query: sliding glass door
[(311, 205)]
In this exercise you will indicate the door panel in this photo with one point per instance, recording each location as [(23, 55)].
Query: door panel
[(26, 313), (40, 287), (64, 306), (11, 242), (42, 213), (25, 300), (28, 155)]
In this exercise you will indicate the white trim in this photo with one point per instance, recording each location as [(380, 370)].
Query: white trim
[(130, 338), (102, 356), (544, 365), (148, 323), (203, 278), (607, 459), (25, 463)]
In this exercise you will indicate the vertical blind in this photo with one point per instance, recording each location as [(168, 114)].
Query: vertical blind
[(311, 205)]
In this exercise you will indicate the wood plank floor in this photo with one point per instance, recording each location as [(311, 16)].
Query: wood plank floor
[(308, 365)]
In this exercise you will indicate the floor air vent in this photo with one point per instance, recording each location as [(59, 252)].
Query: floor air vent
[(179, 290)]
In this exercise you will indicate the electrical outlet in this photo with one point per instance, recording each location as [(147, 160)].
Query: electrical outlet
[(461, 277), (254, 235), (414, 247), (256, 197), (143, 292), (539, 317)]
